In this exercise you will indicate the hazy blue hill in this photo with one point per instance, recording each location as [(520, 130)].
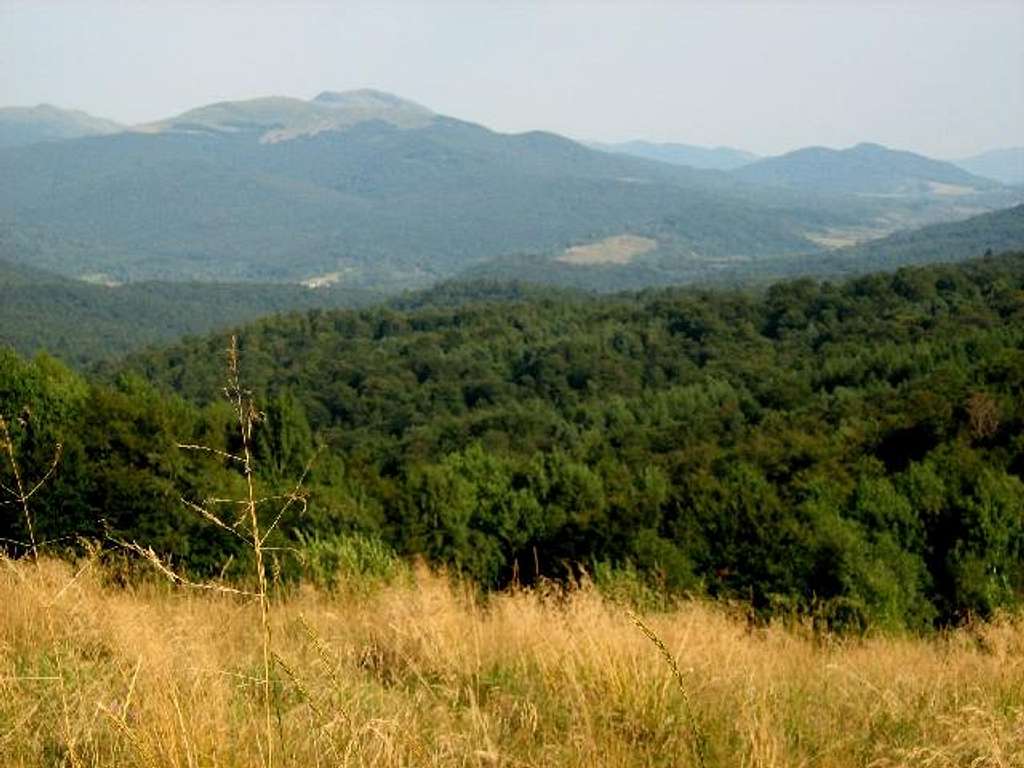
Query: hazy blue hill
[(368, 190), (715, 158), (1003, 165), (867, 169), (83, 323), (279, 118), (28, 125), (252, 192)]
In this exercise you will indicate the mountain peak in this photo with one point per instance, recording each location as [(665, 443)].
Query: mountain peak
[(46, 122), (366, 98), (280, 118), (870, 146)]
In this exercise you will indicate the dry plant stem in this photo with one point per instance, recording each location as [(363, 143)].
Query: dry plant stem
[(246, 416), (695, 731), (246, 526), (19, 492), (5, 435)]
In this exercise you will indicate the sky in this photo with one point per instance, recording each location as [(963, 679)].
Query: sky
[(940, 77)]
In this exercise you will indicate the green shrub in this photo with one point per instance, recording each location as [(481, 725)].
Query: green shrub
[(349, 559)]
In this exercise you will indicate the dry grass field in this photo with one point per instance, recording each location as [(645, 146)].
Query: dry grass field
[(620, 249), (424, 673)]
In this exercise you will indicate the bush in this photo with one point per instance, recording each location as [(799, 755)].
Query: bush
[(349, 559)]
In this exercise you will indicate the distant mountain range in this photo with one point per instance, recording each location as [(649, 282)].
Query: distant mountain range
[(714, 158), (366, 190), (1003, 165), (27, 125), (865, 169)]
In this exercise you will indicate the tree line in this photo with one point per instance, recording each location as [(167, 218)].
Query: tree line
[(850, 450)]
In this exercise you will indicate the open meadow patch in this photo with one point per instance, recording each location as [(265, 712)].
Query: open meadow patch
[(423, 671)]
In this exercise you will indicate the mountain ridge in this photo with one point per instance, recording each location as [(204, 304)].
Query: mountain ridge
[(20, 126), (281, 118), (866, 168), (218, 194), (374, 191)]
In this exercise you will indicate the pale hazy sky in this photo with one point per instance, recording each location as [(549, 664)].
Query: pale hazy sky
[(942, 77)]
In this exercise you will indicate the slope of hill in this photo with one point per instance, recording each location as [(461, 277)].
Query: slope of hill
[(716, 158), (865, 169), (993, 232), (1003, 165), (990, 233), (388, 194), (28, 125), (82, 323)]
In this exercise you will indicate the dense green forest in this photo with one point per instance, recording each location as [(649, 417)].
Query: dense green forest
[(852, 450), (83, 323)]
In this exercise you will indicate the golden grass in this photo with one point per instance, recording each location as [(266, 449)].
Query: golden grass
[(619, 249), (92, 674)]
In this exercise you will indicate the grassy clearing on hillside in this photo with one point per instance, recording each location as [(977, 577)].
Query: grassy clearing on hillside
[(421, 672), (620, 249)]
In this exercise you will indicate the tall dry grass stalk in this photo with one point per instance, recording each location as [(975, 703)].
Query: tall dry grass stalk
[(247, 526), (696, 732), (425, 674), (247, 416)]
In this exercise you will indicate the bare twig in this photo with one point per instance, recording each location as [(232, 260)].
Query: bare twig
[(208, 449), (172, 575), (21, 496)]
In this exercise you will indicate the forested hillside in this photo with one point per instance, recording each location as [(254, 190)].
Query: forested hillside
[(849, 450), (993, 232), (81, 322)]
